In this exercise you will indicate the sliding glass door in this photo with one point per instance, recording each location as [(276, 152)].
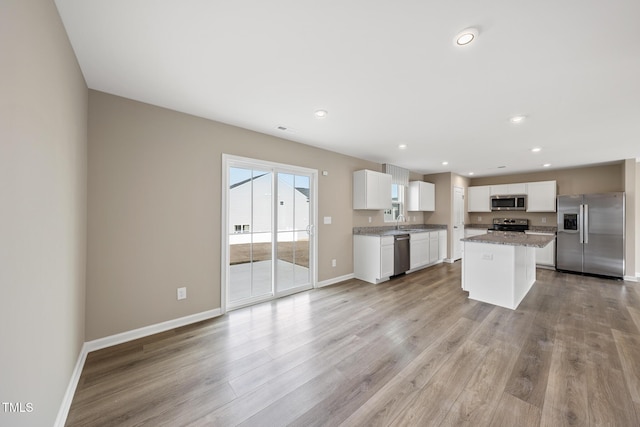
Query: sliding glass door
[(269, 238), (294, 232)]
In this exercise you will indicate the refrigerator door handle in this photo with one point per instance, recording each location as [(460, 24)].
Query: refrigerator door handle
[(581, 223), (585, 224)]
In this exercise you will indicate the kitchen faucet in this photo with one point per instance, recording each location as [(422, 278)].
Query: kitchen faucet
[(398, 221)]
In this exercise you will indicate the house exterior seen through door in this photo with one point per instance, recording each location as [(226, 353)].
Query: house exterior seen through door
[(270, 247)]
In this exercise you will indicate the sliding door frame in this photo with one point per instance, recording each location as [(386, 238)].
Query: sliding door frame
[(228, 161)]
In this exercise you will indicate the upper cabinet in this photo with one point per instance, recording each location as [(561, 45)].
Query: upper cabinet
[(541, 196), (421, 196), (509, 189), (371, 190), (478, 199)]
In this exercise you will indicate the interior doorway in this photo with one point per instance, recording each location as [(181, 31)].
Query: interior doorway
[(269, 245), (458, 223)]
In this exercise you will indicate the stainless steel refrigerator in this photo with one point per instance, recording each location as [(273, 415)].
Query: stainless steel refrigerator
[(591, 234)]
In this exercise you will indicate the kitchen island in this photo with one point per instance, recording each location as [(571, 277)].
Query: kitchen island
[(500, 267)]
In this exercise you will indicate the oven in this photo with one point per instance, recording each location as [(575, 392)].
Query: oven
[(510, 224)]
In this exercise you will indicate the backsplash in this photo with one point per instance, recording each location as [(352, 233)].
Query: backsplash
[(381, 229)]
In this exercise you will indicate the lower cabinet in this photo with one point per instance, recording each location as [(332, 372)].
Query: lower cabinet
[(373, 255), (386, 257), (433, 247), (427, 248), (419, 250), (546, 257), (442, 244), (372, 258)]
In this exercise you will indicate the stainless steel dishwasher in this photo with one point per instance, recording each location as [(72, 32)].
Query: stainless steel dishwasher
[(400, 254)]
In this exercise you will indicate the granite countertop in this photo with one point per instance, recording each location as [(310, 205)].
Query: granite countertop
[(543, 229), (512, 239), (484, 226), (533, 228), (390, 230)]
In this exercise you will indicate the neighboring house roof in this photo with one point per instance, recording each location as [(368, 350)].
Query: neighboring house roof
[(238, 184), (303, 190)]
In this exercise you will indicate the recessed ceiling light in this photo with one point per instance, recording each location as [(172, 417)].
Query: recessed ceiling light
[(546, 165), (517, 119), (321, 114), (465, 36), (470, 173), (402, 146), (536, 149), (445, 163)]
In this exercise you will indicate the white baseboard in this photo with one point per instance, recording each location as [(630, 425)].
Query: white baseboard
[(335, 280), (449, 260), (635, 278), (63, 412), (150, 330), (105, 342)]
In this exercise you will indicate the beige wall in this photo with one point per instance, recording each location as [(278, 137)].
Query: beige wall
[(43, 119), (620, 176), (592, 179), (637, 220), (631, 216), (154, 214)]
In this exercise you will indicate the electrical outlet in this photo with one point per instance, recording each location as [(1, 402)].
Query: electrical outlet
[(369, 220), (182, 293), (479, 218), (544, 219), (333, 263)]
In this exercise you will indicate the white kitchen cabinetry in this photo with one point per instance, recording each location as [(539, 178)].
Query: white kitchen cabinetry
[(371, 190), (427, 248), (545, 257), (541, 196), (433, 247), (373, 258), (422, 196), (478, 199), (419, 250), (468, 232), (442, 244), (508, 189)]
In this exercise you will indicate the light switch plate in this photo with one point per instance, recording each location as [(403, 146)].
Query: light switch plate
[(327, 220)]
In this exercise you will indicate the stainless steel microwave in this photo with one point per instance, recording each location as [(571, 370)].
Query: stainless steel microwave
[(509, 203)]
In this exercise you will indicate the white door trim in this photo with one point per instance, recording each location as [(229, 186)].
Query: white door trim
[(229, 160)]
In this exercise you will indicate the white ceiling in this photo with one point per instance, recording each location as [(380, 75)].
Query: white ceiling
[(387, 72)]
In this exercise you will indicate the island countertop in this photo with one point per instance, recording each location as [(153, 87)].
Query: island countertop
[(512, 239)]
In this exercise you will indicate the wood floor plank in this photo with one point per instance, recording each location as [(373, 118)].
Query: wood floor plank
[(528, 381), (436, 398), (628, 349), (635, 315), (413, 350), (391, 400), (566, 397), (480, 397), (512, 411), (609, 401)]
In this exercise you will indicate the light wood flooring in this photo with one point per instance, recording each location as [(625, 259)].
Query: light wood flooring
[(411, 351)]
